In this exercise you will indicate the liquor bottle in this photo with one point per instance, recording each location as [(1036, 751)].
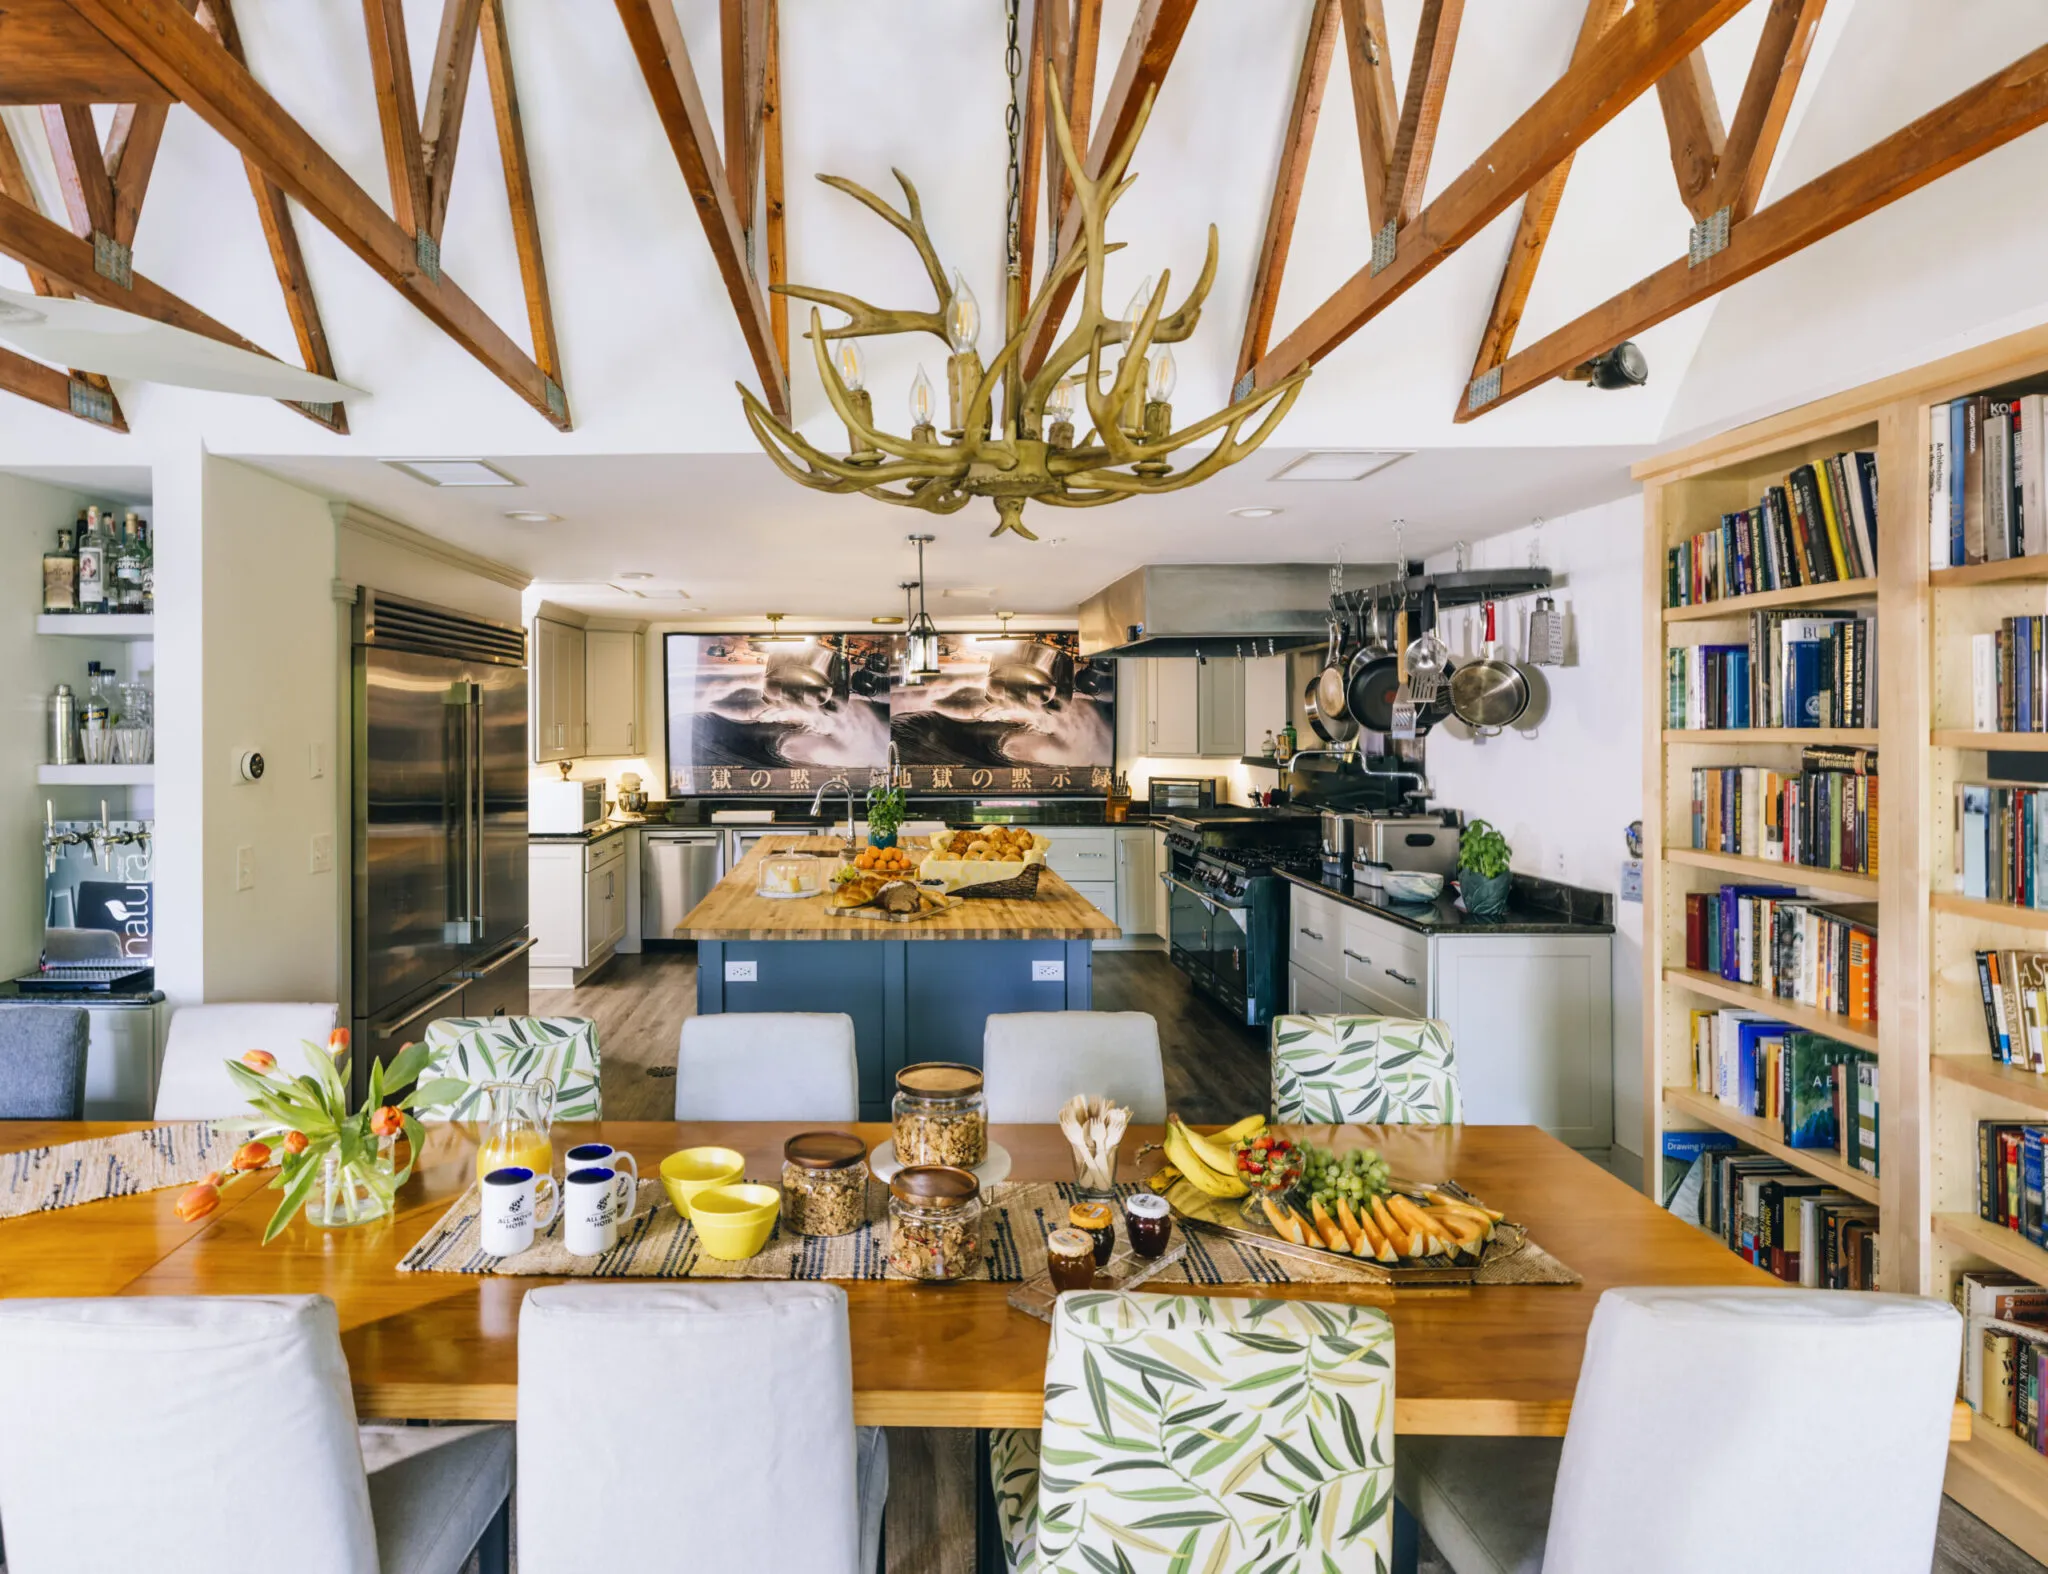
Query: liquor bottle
[(146, 545), (92, 565), (93, 717), (60, 575), (135, 565)]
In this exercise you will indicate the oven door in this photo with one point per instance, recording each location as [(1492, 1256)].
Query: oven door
[(1187, 928), (1230, 955)]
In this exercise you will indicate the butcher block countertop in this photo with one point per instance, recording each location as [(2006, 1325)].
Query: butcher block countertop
[(733, 912)]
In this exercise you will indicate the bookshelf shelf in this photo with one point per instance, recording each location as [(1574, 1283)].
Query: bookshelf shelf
[(2010, 571), (1863, 737), (1749, 997), (1994, 1243), (1838, 590), (1989, 912), (1995, 1076), (1863, 887), (1824, 1163), (2019, 742), (1998, 1478)]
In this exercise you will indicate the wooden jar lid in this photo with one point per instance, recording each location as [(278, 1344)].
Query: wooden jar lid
[(824, 1150), (939, 1080), (935, 1186)]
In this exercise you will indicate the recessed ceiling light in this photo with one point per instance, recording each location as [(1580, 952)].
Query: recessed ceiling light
[(454, 472), (1255, 513), (1338, 464), (968, 593), (637, 574), (528, 516)]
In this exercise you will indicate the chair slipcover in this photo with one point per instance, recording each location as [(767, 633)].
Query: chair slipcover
[(768, 1065), (233, 1441), (1199, 1432), (1375, 1071), (476, 1050), (195, 1083), (1717, 1429), (1032, 1062), (42, 1062), (706, 1423)]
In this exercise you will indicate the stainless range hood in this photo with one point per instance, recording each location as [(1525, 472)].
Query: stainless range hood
[(1214, 609)]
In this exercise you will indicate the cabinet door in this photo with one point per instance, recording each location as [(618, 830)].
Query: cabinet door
[(1531, 1020), (569, 685), (547, 743), (1099, 894), (611, 665), (604, 903), (1219, 708), (1173, 723), (1310, 996), (1137, 884), (556, 888)]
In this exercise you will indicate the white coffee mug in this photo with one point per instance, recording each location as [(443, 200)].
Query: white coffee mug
[(511, 1206), (591, 1210), (603, 1156)]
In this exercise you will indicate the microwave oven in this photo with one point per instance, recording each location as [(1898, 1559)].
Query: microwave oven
[(1167, 794), (564, 808)]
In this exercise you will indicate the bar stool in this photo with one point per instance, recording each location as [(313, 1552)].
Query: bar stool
[(768, 1065), (195, 1083), (1032, 1062)]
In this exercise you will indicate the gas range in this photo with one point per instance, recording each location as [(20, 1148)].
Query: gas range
[(1228, 873)]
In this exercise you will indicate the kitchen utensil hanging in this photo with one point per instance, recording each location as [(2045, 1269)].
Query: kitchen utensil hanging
[(1489, 695), (1428, 660), (1403, 715), (1546, 634), (1330, 681)]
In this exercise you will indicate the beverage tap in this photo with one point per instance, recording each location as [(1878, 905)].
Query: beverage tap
[(105, 839), (53, 839)]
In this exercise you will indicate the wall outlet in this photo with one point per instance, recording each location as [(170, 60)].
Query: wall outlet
[(742, 972), (1054, 972), (320, 860), (245, 868)]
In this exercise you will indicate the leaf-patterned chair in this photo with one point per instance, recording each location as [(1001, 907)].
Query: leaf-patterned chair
[(1197, 1433), (477, 1050), (1374, 1071)]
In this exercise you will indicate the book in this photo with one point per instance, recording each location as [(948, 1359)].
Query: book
[(1940, 549)]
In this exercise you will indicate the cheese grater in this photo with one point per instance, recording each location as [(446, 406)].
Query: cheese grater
[(1546, 634)]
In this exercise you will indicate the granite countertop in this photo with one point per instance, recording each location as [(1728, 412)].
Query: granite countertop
[(1535, 907), (147, 994), (584, 838)]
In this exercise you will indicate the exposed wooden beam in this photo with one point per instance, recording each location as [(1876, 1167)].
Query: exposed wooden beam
[(132, 142), (1973, 123), (447, 92), (742, 57), (14, 182), (1154, 38), (1532, 229), (1638, 49), (1766, 101), (1692, 120), (1309, 80), (48, 386), (81, 168), (774, 227), (533, 272), (1422, 106), (189, 62), (51, 55), (1373, 101), (398, 114), (657, 39), (1073, 43)]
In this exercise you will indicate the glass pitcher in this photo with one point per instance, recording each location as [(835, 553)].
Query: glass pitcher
[(517, 1118)]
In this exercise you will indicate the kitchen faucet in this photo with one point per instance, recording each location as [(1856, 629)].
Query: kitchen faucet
[(818, 802)]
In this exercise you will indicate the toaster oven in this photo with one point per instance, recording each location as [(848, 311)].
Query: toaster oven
[(1169, 794)]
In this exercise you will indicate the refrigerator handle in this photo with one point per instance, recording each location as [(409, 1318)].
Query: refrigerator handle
[(477, 812)]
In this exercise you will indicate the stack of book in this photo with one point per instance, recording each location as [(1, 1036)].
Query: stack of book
[(1819, 954), (2005, 1345), (2014, 985), (2001, 850), (2009, 677), (1984, 475), (1815, 1092), (1823, 818), (1791, 1224), (1807, 669), (1818, 526)]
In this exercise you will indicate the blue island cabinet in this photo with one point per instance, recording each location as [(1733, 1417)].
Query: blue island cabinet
[(910, 1000)]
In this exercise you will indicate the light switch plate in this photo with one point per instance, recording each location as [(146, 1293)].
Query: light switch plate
[(245, 868), (742, 972), (1054, 972), (320, 860), (316, 759)]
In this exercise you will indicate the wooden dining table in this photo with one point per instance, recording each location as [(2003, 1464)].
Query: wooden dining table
[(1492, 1359)]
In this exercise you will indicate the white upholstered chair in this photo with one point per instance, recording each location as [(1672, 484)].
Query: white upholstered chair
[(707, 1425), (768, 1065), (195, 1084), (1032, 1062), (1715, 1429), (230, 1433)]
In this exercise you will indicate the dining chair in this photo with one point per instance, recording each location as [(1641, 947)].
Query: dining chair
[(1202, 1432), (768, 1065), (1715, 1429), (195, 1085), (716, 1418), (235, 1421), (478, 1050), (42, 1062), (1032, 1062), (1339, 1070)]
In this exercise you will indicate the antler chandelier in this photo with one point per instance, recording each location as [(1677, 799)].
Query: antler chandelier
[(1031, 454)]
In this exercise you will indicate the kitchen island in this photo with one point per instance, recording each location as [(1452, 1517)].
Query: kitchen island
[(916, 991)]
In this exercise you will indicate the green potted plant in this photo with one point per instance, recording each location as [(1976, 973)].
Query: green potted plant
[(1483, 876), (885, 815)]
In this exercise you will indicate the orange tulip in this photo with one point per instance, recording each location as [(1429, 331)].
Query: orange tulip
[(198, 1201), (387, 1122), (295, 1142), (337, 1041), (259, 1059), (252, 1155)]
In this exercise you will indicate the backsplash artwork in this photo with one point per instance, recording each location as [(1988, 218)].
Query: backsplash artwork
[(1029, 714)]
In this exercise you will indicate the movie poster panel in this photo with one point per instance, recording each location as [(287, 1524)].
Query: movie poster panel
[(752, 714), (1023, 715)]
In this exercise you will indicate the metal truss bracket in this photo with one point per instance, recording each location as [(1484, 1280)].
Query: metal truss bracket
[(112, 261), (91, 404), (558, 402), (1383, 247), (1242, 388), (1709, 236), (1483, 390), (427, 253)]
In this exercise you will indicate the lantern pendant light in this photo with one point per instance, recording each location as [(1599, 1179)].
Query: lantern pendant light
[(921, 644)]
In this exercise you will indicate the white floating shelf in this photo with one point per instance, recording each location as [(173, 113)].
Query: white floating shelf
[(98, 625), (95, 775)]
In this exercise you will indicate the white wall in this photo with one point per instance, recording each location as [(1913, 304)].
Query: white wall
[(1564, 789)]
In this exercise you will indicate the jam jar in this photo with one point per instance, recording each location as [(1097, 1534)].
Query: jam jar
[(1149, 1221), (934, 1223), (1096, 1219), (824, 1183), (940, 1116), (1070, 1259)]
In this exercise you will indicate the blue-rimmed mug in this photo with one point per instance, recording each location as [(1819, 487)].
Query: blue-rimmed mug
[(512, 1208)]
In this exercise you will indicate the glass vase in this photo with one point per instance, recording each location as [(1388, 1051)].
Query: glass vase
[(349, 1194)]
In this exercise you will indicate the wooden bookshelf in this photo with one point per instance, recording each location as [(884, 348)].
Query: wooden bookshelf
[(1825, 1163), (1995, 1076), (1771, 871), (1748, 997), (1994, 1243), (1848, 737), (2008, 571), (2017, 742), (1839, 590), (1999, 1479), (1989, 912)]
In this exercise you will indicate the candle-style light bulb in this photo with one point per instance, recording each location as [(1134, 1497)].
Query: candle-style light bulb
[(1163, 375), (851, 364), (963, 316), (1135, 312), (922, 399), (1059, 404)]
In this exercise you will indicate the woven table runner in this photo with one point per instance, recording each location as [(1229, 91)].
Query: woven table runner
[(659, 1244), (35, 1180)]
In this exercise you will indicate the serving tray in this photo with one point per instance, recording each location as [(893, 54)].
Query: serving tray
[(870, 911), (1126, 1271)]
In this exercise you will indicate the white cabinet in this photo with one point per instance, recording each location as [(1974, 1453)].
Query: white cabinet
[(1191, 709), (1219, 708), (577, 895), (1172, 725), (611, 689), (1113, 867), (1530, 1016), (559, 717), (1137, 881)]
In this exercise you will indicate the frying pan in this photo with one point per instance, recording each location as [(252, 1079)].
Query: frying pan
[(1331, 729), (1330, 681), (1370, 681), (1489, 695)]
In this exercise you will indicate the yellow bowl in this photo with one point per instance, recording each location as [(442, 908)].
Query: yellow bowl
[(734, 1222), (692, 1170)]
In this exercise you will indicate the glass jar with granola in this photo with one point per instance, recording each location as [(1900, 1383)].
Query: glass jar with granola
[(934, 1223), (940, 1115), (824, 1183)]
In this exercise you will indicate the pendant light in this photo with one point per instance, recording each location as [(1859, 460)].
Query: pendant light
[(1003, 638), (909, 616), (775, 636), (921, 643)]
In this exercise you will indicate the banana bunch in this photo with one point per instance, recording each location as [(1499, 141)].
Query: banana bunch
[(1206, 1162)]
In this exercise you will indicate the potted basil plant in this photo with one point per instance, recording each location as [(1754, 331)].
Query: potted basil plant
[(885, 815), (1483, 876)]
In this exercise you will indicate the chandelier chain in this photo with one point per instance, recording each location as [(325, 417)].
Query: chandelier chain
[(1013, 123)]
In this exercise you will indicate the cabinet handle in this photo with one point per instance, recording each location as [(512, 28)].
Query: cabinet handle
[(1401, 977), (1312, 935), (1363, 961), (632, 736)]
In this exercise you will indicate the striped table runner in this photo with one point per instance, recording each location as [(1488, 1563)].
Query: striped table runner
[(35, 1180)]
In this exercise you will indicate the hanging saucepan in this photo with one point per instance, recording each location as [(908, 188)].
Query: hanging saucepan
[(1330, 681), (1369, 685), (1331, 729), (1489, 695)]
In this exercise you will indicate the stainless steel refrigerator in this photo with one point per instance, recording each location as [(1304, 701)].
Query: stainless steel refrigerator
[(439, 835)]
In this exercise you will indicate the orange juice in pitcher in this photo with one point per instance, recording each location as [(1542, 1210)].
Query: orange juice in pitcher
[(516, 1125)]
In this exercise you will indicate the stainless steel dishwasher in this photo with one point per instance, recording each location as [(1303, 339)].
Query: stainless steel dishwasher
[(678, 868)]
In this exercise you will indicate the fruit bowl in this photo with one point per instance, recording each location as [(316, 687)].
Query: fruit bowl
[(1268, 1162)]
